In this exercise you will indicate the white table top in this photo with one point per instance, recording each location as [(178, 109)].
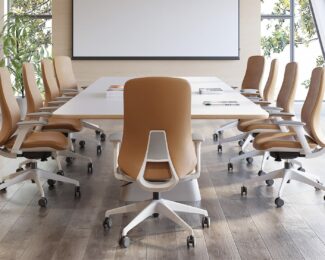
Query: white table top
[(96, 102)]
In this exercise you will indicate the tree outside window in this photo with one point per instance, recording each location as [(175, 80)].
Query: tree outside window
[(289, 34), (26, 37)]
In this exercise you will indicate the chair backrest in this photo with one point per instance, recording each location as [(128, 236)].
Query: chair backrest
[(51, 86), (157, 103), (269, 89), (254, 73), (288, 89), (64, 73), (311, 110), (9, 107), (33, 95)]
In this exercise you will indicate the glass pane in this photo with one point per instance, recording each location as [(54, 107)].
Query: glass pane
[(275, 44), (33, 7), (308, 52), (275, 7)]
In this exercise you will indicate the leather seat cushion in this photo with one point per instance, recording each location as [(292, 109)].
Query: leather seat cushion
[(265, 141), (73, 125), (256, 124), (54, 140)]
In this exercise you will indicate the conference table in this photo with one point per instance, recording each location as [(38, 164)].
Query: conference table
[(211, 99), (222, 102)]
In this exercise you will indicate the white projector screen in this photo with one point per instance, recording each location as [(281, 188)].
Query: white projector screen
[(155, 29)]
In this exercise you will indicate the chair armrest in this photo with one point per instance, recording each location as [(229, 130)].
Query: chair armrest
[(84, 87), (31, 123), (115, 137), (290, 123), (249, 91), (63, 98), (56, 102), (39, 114), (278, 114), (255, 98), (69, 90), (262, 103), (196, 137), (273, 109), (48, 109)]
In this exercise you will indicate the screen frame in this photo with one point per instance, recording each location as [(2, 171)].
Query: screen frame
[(236, 57)]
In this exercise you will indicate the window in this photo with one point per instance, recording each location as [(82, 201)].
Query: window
[(289, 34)]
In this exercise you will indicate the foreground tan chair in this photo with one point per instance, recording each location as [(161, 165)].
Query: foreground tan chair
[(284, 109), (35, 109), (251, 86), (157, 150), (302, 139), (19, 139), (68, 87)]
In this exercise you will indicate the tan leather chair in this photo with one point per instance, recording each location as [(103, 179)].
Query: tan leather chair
[(284, 109), (302, 139), (69, 87), (157, 150), (251, 86), (20, 139)]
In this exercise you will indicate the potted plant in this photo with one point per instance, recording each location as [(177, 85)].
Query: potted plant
[(24, 39)]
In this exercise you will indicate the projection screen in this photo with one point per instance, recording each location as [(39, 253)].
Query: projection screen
[(155, 29)]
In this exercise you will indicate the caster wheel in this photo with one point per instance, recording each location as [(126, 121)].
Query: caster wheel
[(97, 132), (42, 202), (82, 144), (32, 181), (77, 192), (68, 160), (124, 242), (107, 223), (288, 181), (190, 241), (103, 137), (260, 173), (90, 167), (99, 149), (219, 148), (241, 143), (301, 169), (243, 191), (61, 173), (220, 132), (279, 202), (269, 182), (206, 222), (215, 137), (51, 183), (20, 169), (230, 167), (73, 140), (249, 160), (155, 215), (241, 152), (4, 189)]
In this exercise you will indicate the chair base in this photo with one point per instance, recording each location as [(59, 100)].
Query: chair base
[(287, 174), (31, 172), (187, 191), (158, 206)]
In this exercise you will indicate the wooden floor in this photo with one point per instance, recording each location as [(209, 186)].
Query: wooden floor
[(241, 228)]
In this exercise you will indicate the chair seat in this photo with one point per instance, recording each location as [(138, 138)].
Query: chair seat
[(267, 141), (251, 125), (73, 125), (54, 140)]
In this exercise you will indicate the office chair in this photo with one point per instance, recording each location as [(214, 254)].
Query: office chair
[(250, 86), (69, 87), (157, 150), (35, 109), (52, 95), (284, 109), (266, 99), (20, 139), (302, 139)]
